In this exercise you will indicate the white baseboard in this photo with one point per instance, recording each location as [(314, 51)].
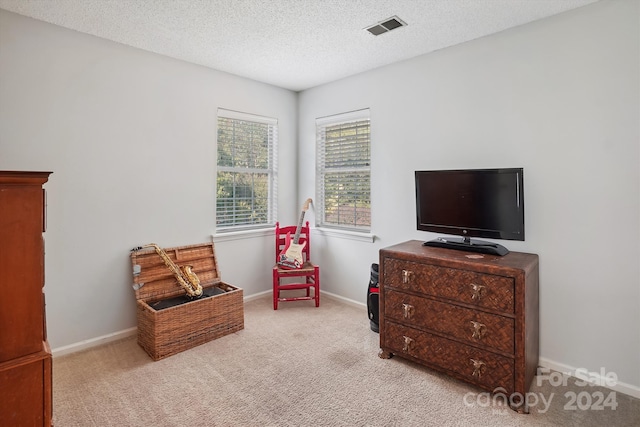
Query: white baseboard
[(596, 377), (254, 296), (322, 293), (93, 342), (343, 299)]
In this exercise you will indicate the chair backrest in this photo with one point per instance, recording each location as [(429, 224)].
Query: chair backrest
[(281, 238)]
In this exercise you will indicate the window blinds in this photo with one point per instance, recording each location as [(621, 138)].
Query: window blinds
[(246, 181), (344, 170)]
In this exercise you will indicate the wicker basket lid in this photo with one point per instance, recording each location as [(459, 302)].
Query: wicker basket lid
[(152, 279)]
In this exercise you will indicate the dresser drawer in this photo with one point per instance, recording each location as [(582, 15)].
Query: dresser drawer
[(483, 290), (473, 326), (487, 370)]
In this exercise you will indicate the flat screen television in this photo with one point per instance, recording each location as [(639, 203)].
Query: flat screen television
[(485, 203)]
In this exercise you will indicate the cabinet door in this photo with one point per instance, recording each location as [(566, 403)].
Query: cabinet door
[(22, 267), (25, 392)]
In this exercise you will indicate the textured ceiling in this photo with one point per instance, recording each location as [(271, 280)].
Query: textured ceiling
[(294, 44)]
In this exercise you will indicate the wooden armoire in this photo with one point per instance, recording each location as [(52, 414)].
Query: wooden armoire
[(25, 356)]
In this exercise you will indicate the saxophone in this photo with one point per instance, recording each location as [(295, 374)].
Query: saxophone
[(185, 275)]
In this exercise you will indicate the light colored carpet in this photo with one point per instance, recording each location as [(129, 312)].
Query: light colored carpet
[(297, 366)]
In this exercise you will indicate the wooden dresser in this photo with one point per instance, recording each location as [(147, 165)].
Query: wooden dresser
[(469, 315), (25, 357)]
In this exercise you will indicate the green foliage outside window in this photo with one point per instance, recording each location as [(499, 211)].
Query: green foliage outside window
[(242, 195)]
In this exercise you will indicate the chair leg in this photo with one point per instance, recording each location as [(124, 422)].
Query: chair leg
[(316, 276), (276, 292)]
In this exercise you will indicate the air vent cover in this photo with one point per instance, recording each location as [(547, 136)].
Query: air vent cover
[(386, 26)]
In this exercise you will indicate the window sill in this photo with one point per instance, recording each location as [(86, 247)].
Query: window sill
[(345, 234), (244, 234), (266, 232)]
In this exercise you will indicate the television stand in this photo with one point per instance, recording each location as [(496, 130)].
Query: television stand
[(469, 245)]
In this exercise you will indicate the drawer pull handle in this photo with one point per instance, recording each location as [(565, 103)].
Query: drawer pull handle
[(408, 344), (407, 311), (478, 367), (478, 290), (479, 330), (406, 276)]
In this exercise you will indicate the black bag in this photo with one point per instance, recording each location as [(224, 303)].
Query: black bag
[(373, 295)]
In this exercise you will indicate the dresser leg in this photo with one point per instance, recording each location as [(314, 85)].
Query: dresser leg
[(383, 354), (520, 407)]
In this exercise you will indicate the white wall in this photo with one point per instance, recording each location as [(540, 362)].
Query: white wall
[(130, 137), (559, 97)]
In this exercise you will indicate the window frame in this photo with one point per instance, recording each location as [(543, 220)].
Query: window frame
[(271, 171), (322, 124)]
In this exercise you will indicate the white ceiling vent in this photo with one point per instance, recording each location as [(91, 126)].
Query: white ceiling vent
[(386, 26)]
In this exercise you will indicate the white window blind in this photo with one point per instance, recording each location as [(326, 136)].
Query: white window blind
[(344, 171), (246, 182)]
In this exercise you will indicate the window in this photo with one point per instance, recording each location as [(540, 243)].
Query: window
[(246, 195), (344, 171)]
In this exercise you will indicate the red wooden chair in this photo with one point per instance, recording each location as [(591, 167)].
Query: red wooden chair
[(307, 277)]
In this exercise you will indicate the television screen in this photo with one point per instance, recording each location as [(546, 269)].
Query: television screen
[(485, 203)]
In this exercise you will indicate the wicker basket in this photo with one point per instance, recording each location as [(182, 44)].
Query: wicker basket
[(162, 333)]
